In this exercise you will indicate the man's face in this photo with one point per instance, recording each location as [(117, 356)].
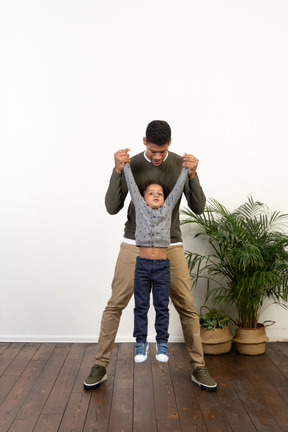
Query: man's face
[(154, 196), (155, 153)]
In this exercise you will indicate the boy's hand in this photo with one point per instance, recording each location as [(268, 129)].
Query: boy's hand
[(121, 157), (191, 162)]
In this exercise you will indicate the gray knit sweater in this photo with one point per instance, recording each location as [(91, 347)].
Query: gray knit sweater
[(153, 225)]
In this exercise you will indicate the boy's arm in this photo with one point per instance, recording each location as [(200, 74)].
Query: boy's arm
[(177, 190), (131, 184)]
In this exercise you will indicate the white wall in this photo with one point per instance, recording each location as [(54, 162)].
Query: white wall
[(81, 79)]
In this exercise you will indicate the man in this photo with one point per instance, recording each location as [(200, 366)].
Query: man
[(158, 163)]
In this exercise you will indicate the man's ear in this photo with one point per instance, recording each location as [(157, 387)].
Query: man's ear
[(144, 141)]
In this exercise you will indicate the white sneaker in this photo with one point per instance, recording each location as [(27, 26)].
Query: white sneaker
[(162, 352), (141, 352)]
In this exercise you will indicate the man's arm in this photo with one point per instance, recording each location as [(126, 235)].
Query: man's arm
[(117, 189), (195, 196), (116, 193), (193, 191)]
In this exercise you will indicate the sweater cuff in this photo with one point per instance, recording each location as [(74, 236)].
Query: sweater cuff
[(195, 178), (115, 173)]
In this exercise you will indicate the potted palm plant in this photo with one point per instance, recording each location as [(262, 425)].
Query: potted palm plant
[(247, 261)]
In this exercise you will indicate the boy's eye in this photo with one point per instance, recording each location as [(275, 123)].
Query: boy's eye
[(155, 193)]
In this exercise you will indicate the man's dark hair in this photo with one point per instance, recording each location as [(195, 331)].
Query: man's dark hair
[(158, 132), (144, 186)]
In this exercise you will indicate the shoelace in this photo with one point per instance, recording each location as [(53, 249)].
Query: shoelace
[(139, 348), (94, 370), (203, 372), (162, 349)]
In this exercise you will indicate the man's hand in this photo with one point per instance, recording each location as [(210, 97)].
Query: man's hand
[(121, 157), (191, 162)]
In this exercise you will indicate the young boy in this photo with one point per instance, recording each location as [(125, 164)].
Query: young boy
[(153, 221)]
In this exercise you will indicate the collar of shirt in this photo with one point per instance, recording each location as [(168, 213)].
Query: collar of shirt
[(150, 160)]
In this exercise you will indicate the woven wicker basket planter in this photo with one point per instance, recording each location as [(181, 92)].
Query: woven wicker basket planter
[(216, 341), (251, 341)]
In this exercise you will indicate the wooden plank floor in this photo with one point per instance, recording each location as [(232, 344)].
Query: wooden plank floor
[(41, 389)]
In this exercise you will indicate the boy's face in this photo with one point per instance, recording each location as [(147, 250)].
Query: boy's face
[(155, 153), (154, 196)]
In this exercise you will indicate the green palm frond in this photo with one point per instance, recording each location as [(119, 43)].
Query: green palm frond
[(248, 258)]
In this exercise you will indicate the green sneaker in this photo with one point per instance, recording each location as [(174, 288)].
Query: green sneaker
[(202, 378), (97, 376)]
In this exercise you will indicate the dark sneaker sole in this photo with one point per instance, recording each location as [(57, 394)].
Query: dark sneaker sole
[(203, 386), (96, 385)]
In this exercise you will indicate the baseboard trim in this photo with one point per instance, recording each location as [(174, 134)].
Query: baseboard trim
[(87, 339), (72, 339)]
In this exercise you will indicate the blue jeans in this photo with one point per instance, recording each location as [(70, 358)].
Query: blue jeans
[(151, 275)]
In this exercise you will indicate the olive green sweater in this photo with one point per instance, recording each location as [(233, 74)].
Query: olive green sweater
[(168, 173)]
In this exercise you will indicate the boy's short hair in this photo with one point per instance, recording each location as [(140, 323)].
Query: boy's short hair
[(144, 186), (158, 132)]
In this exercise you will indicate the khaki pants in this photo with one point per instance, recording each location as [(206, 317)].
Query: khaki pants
[(122, 291)]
